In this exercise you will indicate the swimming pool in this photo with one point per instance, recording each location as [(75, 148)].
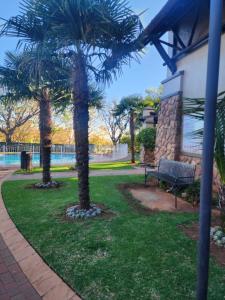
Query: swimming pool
[(56, 159)]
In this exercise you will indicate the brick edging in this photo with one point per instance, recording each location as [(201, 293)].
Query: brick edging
[(44, 280)]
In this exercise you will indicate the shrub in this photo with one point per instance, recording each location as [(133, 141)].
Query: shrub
[(126, 140), (147, 137), (193, 192)]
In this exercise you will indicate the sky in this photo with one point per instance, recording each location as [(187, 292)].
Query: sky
[(137, 77)]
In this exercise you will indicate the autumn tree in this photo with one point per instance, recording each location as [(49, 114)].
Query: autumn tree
[(115, 124), (14, 114)]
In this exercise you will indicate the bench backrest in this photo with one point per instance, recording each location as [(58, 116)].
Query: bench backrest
[(177, 169)]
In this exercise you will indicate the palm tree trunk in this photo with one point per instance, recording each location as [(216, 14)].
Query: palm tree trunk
[(81, 118), (132, 137), (45, 135)]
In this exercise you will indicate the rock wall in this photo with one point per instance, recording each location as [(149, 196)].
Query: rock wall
[(169, 135), (196, 160), (168, 140)]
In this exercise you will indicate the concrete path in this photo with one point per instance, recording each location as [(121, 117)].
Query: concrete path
[(23, 273), (73, 174)]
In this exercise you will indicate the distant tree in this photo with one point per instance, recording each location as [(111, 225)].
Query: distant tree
[(153, 97), (28, 133), (100, 137), (116, 125), (14, 114), (125, 139), (130, 106)]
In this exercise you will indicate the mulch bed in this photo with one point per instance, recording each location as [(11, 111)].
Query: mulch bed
[(192, 231), (133, 202)]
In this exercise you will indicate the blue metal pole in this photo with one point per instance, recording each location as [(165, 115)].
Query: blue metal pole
[(216, 8)]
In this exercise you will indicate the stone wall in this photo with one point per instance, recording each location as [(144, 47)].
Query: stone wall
[(196, 160), (169, 134), (191, 159), (168, 140)]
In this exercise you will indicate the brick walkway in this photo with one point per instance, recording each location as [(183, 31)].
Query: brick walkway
[(23, 273), (14, 285)]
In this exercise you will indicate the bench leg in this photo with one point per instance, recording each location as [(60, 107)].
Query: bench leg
[(176, 201), (174, 189)]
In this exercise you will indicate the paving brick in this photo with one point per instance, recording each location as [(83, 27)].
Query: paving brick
[(59, 292), (4, 253), (9, 260), (5, 297), (12, 289), (20, 278), (14, 269), (43, 285), (3, 268), (2, 245), (2, 289), (6, 278), (29, 292), (22, 253), (18, 297)]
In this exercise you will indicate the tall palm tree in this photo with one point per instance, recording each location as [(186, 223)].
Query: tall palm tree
[(24, 76), (195, 109), (97, 37), (28, 68), (131, 106)]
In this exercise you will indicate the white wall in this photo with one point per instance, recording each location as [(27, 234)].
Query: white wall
[(194, 66)]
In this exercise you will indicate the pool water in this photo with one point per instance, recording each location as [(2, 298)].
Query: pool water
[(56, 159)]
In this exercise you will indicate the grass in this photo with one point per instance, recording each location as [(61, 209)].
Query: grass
[(93, 166), (130, 256)]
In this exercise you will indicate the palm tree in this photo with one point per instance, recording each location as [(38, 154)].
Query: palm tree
[(24, 76), (195, 109), (97, 38), (131, 106)]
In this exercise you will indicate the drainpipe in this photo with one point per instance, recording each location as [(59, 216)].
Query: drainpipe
[(216, 8)]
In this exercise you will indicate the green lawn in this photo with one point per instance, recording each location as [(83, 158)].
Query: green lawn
[(130, 256), (93, 166)]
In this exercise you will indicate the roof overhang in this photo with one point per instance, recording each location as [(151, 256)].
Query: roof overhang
[(167, 18)]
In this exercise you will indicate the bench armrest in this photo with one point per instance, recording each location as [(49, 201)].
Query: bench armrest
[(185, 177), (147, 165)]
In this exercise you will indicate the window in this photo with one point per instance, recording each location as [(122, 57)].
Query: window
[(190, 143)]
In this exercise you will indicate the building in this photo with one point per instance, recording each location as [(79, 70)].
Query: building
[(185, 54)]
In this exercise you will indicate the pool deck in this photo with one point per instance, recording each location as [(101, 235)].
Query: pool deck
[(73, 174)]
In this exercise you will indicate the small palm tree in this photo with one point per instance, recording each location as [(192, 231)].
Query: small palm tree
[(131, 106), (195, 109), (97, 38)]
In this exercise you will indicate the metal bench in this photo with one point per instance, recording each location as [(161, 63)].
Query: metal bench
[(176, 174)]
